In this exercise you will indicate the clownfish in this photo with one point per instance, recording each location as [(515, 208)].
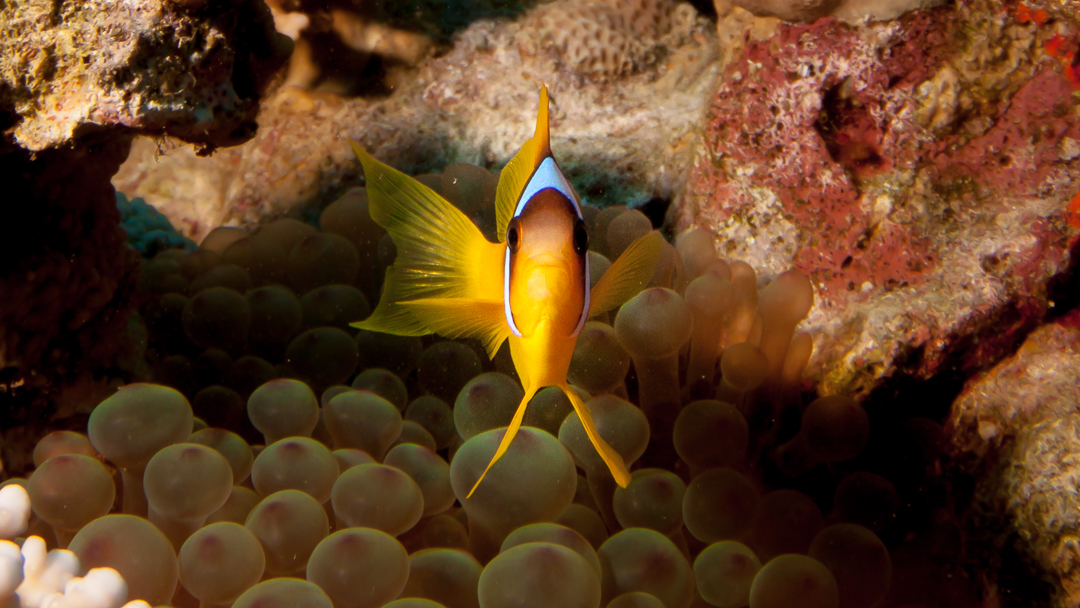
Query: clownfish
[(531, 287)]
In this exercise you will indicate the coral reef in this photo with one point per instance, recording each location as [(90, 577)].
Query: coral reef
[(157, 67), (1016, 427), (625, 139), (742, 492), (896, 144), (920, 177)]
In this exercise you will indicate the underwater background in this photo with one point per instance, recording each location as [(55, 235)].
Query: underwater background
[(853, 379)]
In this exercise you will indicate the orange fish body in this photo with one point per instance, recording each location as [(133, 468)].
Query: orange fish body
[(531, 288)]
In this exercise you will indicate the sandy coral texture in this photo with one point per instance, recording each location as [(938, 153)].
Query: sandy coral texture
[(591, 38), (850, 11)]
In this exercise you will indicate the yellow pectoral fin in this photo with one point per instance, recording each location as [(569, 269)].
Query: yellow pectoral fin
[(484, 320), (511, 432), (440, 252), (389, 316), (612, 459), (627, 275)]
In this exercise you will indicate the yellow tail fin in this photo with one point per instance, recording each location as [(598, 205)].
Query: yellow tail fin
[(484, 320)]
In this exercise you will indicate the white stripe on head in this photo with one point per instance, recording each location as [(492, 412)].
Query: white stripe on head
[(588, 297), (506, 295), (547, 175)]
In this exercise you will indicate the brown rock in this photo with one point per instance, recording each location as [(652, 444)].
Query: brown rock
[(67, 276), (77, 81), (1017, 427)]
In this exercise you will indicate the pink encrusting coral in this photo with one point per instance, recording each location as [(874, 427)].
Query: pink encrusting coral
[(895, 164)]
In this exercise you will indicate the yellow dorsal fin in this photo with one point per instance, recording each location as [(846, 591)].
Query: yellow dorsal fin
[(440, 253), (542, 135), (515, 175), (627, 275)]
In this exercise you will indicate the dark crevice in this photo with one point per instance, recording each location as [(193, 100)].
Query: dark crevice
[(441, 19), (705, 8), (979, 553), (341, 71), (989, 545), (850, 132), (1063, 289), (656, 210)]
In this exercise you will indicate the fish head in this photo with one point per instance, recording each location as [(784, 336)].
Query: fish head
[(546, 263)]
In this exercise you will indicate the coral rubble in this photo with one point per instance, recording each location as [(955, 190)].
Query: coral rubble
[(347, 47), (850, 11)]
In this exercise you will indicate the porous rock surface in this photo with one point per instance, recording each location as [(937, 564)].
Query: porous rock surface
[(190, 69), (623, 117), (1016, 427), (920, 172)]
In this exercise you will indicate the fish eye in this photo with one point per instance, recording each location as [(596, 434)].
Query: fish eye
[(581, 237), (513, 236)]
